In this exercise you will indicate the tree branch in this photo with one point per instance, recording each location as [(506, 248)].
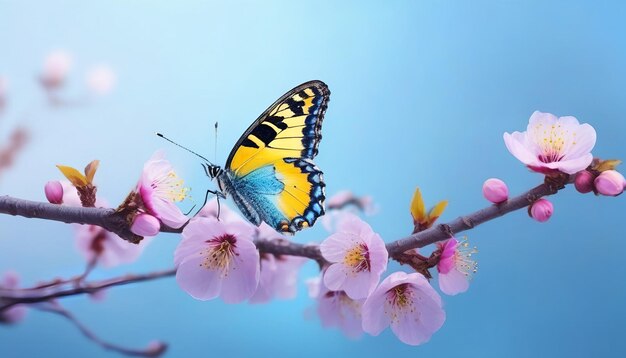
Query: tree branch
[(112, 221), (42, 293), (108, 218)]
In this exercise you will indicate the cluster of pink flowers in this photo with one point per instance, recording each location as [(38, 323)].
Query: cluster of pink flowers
[(558, 147), (218, 258), (154, 203)]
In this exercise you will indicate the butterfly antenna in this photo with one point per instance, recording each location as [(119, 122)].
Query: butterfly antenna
[(215, 151), (185, 148)]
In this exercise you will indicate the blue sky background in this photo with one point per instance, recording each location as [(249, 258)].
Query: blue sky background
[(422, 92)]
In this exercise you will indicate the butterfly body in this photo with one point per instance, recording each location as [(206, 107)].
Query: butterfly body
[(270, 173)]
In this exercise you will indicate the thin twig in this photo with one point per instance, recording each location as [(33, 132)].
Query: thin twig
[(153, 350), (10, 297)]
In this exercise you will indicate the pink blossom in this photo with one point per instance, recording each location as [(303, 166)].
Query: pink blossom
[(54, 192), (145, 225), (541, 210), (215, 258), (279, 273), (15, 313), (610, 183), (336, 308), (495, 190), (101, 79), (584, 181), (160, 188), (108, 249), (455, 266), (358, 257), (552, 144), (409, 304), (56, 66)]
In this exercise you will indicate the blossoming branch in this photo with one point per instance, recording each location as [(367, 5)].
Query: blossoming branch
[(223, 255)]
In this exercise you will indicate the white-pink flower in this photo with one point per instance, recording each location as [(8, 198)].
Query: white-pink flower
[(279, 273), (552, 144), (336, 308), (357, 255), (56, 66), (409, 304), (160, 188), (455, 266), (217, 259), (15, 313), (101, 79)]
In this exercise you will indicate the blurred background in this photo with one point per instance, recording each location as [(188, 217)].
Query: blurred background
[(422, 92)]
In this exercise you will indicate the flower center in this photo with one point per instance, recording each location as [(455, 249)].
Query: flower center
[(358, 258), (170, 187), (220, 253), (399, 301), (400, 296), (554, 141), (463, 259)]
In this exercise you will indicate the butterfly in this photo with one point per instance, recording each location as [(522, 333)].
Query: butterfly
[(270, 173)]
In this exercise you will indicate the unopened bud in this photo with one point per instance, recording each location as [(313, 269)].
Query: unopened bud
[(610, 183), (54, 192), (541, 210), (495, 190), (584, 181), (145, 225)]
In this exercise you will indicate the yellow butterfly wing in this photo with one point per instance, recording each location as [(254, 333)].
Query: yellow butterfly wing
[(284, 138)]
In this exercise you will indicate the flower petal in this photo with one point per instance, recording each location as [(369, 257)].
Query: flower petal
[(242, 278), (514, 143), (334, 276), (197, 281), (453, 282), (168, 213)]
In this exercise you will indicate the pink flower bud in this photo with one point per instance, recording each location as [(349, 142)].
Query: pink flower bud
[(54, 192), (145, 225), (495, 190), (101, 79), (610, 183), (584, 181), (55, 69), (541, 210)]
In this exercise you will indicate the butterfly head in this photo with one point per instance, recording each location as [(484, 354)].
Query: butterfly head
[(212, 171)]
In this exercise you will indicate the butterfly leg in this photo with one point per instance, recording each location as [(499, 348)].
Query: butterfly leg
[(218, 194)]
